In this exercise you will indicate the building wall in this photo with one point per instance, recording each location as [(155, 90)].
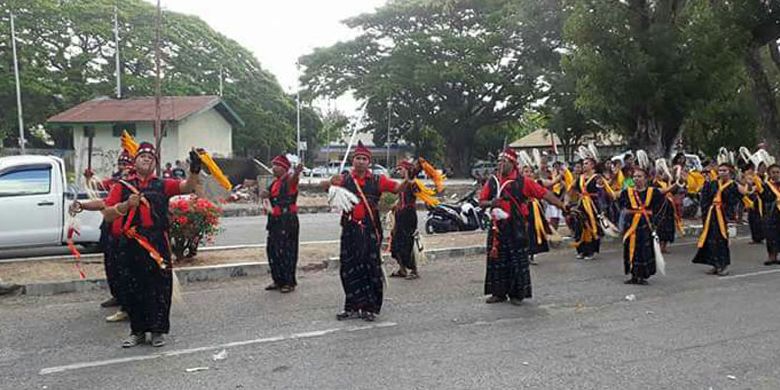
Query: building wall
[(208, 129), (106, 147)]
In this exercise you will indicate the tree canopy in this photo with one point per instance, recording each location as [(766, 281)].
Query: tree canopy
[(66, 56), (452, 67)]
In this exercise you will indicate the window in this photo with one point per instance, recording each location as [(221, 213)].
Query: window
[(26, 181), (120, 127)]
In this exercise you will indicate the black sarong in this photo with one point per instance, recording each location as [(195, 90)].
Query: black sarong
[(666, 222), (403, 237), (755, 221), (108, 245), (146, 288), (282, 248), (508, 275), (361, 267)]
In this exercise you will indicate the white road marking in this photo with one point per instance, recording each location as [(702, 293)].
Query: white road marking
[(757, 273), (189, 351)]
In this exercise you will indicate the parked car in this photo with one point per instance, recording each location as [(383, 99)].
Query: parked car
[(483, 169), (35, 199), (378, 169)]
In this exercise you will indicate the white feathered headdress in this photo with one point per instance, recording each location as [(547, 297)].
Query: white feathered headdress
[(642, 160)]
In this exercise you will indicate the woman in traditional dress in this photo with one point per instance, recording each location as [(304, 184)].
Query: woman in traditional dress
[(640, 203)]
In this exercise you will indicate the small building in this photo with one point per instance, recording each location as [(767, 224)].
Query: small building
[(542, 139), (335, 151), (187, 121)]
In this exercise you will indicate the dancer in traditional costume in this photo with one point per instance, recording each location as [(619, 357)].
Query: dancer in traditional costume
[(405, 225), (667, 219), (771, 201), (587, 227), (508, 275), (361, 238), (404, 237), (640, 202), (140, 203), (718, 200), (283, 227), (108, 241), (754, 203)]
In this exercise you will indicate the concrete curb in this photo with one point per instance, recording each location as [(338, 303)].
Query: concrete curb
[(254, 269), (256, 211)]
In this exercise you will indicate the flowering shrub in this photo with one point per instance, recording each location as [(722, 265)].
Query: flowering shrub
[(192, 220)]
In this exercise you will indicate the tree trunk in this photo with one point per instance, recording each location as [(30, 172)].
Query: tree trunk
[(769, 128), (459, 153), (654, 136)]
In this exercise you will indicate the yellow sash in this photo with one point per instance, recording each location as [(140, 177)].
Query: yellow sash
[(587, 204), (538, 223), (715, 206), (670, 198), (639, 211), (775, 191)]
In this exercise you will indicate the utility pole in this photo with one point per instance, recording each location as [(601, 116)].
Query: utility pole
[(389, 108), (220, 80), (298, 113), (157, 89), (118, 66), (22, 141)]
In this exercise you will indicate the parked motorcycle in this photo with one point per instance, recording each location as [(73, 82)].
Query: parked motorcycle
[(464, 215)]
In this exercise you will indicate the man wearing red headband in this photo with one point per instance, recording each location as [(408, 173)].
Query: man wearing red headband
[(361, 237), (283, 227), (507, 263), (139, 209)]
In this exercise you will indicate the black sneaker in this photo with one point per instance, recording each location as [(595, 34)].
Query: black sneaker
[(111, 302), (368, 316), (346, 315)]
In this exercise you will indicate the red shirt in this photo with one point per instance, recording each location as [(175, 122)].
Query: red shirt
[(171, 188), (292, 190), (385, 185), (531, 189)]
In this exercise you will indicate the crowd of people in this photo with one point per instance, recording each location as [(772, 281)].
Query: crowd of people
[(529, 199)]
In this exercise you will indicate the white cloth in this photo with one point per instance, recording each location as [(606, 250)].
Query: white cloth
[(551, 212)]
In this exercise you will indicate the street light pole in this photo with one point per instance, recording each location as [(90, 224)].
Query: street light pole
[(389, 107), (18, 90), (298, 113), (118, 65)]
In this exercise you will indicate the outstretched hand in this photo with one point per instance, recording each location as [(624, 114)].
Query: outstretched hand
[(195, 163)]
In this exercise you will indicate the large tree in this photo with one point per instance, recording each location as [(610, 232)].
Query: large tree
[(66, 56), (450, 66), (643, 66)]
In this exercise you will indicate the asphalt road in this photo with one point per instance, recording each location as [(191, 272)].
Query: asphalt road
[(236, 231), (686, 330)]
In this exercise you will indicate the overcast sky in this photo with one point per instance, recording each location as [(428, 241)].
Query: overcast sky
[(279, 31)]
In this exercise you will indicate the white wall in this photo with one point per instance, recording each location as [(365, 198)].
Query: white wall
[(106, 147), (208, 129)]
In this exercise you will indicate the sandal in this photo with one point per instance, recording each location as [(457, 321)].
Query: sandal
[(271, 287), (133, 340), (158, 340), (495, 299), (286, 289), (367, 316), (398, 274), (347, 315), (412, 276)]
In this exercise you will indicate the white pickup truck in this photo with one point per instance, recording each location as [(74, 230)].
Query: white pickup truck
[(34, 199)]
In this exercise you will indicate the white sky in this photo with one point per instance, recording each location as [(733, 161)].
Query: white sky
[(280, 31)]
